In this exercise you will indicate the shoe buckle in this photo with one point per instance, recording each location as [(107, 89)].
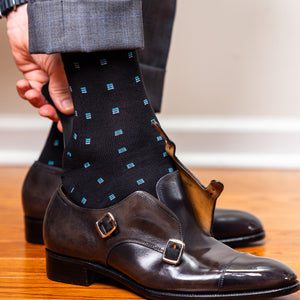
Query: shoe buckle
[(173, 251), (106, 225)]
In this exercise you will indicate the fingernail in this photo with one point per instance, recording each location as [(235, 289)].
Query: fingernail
[(68, 104)]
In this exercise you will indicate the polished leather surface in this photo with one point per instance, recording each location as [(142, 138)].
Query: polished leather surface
[(39, 185), (203, 199), (42, 180), (141, 219), (235, 266), (230, 223), (145, 224)]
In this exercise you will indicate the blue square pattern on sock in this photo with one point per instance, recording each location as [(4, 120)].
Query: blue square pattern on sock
[(146, 102), (118, 132), (76, 113), (159, 138), (86, 165), (130, 54), (87, 141), (171, 170), (115, 110), (83, 90), (112, 197), (131, 165), (56, 143), (110, 86), (122, 150), (165, 154), (69, 154), (137, 79), (140, 181), (51, 163), (83, 200), (100, 180), (88, 116), (76, 65), (103, 61), (75, 136)]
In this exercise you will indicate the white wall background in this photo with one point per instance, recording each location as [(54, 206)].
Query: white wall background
[(232, 89)]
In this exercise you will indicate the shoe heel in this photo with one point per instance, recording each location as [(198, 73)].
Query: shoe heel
[(34, 230), (67, 270)]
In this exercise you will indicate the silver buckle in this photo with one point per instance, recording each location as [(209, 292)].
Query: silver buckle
[(173, 251), (106, 225)]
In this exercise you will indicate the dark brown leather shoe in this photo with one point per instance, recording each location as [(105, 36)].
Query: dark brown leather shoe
[(39, 185), (159, 248), (232, 227)]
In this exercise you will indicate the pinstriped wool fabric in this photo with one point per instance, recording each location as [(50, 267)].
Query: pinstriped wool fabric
[(85, 25)]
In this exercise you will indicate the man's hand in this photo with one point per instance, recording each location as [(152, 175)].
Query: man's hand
[(38, 69)]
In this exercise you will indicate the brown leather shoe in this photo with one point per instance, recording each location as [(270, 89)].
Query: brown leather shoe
[(159, 248), (39, 185), (232, 227)]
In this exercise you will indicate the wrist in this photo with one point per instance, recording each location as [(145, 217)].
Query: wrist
[(7, 6)]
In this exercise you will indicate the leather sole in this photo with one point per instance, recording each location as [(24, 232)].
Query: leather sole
[(80, 272), (34, 230), (244, 241)]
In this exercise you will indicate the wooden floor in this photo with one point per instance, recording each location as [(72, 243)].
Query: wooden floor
[(274, 196)]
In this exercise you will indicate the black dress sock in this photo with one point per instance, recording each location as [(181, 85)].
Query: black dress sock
[(53, 148), (114, 149)]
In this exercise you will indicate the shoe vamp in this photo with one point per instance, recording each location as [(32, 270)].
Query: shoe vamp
[(146, 267)]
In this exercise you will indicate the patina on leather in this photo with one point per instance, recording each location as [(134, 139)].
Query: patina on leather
[(141, 219), (203, 199), (145, 224), (39, 185)]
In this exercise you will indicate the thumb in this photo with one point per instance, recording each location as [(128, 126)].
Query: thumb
[(59, 87)]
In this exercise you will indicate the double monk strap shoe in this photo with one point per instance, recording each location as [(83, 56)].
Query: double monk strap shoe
[(156, 248), (160, 248), (232, 227)]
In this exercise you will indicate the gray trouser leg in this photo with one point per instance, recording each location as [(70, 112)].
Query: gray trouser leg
[(84, 25), (158, 16), (95, 25)]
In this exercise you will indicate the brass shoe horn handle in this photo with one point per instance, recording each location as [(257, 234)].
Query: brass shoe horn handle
[(203, 199)]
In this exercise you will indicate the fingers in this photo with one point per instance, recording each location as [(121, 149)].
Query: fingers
[(59, 126), (48, 111), (26, 92), (22, 87), (59, 87)]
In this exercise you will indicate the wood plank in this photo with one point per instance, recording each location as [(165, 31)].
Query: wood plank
[(272, 195)]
